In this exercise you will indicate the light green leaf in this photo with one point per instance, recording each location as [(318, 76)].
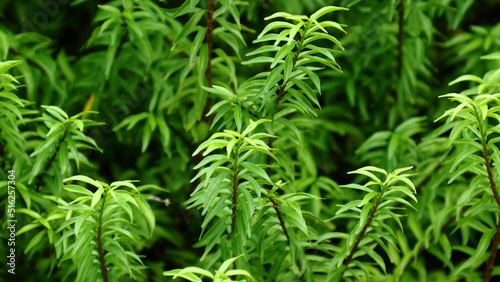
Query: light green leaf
[(367, 198), (467, 77), (325, 10), (96, 197), (257, 170), (227, 263), (376, 257), (85, 179)]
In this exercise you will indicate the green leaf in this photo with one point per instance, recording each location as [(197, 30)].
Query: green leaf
[(294, 216), (131, 121), (85, 179), (56, 112), (376, 257), (31, 213), (177, 273), (96, 197), (284, 51), (235, 272), (367, 173), (81, 219), (35, 240), (257, 170), (367, 198), (365, 213), (237, 117), (110, 9), (325, 10), (197, 270), (467, 77), (483, 245), (492, 56)]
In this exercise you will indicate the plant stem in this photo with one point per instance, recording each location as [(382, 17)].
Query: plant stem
[(280, 218), (493, 254), (209, 41), (496, 238), (361, 235), (235, 192), (273, 201), (401, 13), (100, 250), (281, 91), (487, 163)]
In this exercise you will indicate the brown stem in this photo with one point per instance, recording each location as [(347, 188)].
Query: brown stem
[(209, 41), (361, 235), (401, 13), (100, 250), (280, 217), (493, 254), (181, 53), (235, 195), (487, 162), (250, 111), (273, 201), (30, 61), (281, 93), (496, 238)]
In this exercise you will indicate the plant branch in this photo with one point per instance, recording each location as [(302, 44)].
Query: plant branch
[(181, 53), (209, 40), (280, 217), (493, 254), (281, 93), (273, 201), (281, 90), (361, 235), (401, 13), (491, 179), (30, 61), (100, 250), (235, 193), (496, 238)]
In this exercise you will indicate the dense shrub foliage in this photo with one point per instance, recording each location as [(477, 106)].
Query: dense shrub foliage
[(261, 140)]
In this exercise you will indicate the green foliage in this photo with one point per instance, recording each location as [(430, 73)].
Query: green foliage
[(249, 114), (474, 135), (222, 274), (11, 111), (96, 229), (376, 206)]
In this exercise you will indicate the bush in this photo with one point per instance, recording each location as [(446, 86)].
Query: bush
[(205, 140)]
